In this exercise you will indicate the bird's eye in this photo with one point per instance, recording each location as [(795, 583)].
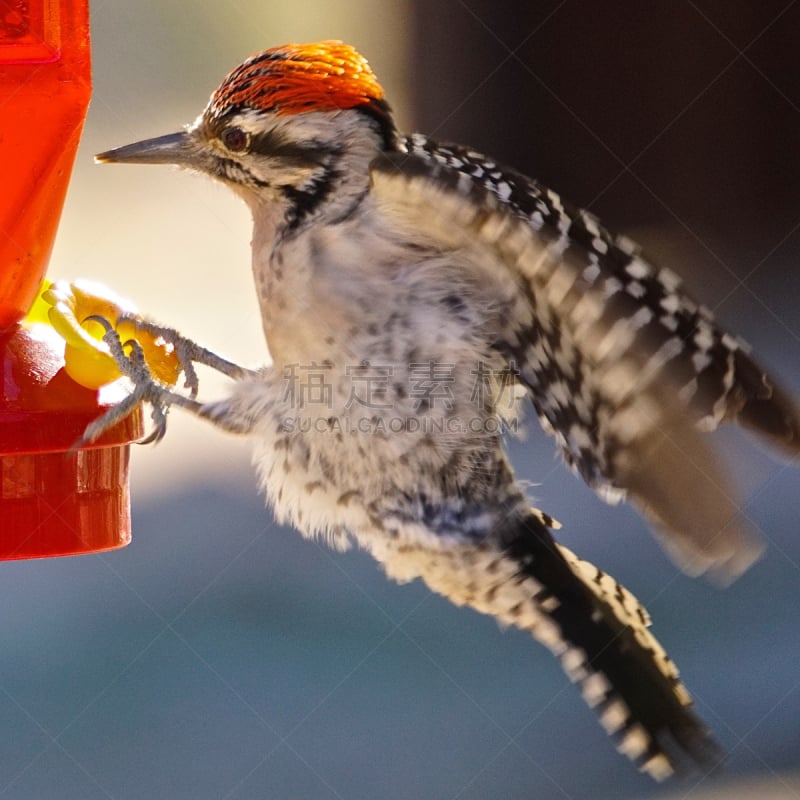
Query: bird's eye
[(235, 139)]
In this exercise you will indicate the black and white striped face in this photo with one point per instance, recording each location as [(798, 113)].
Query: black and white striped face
[(290, 162), (261, 151), (313, 165)]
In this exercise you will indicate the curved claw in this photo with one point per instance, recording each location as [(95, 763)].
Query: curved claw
[(102, 320), (154, 437), (137, 354), (112, 340), (159, 417)]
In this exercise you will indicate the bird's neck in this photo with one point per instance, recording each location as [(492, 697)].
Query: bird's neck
[(297, 239), (293, 275)]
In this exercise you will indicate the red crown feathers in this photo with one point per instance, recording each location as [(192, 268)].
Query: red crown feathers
[(323, 76)]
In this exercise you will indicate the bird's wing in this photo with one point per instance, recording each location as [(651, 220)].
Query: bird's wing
[(591, 623), (623, 368)]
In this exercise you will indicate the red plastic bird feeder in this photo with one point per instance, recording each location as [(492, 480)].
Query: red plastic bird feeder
[(53, 501)]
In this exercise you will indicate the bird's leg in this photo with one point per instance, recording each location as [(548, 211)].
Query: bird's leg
[(146, 387)]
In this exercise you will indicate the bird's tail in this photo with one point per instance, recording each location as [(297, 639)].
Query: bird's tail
[(599, 632)]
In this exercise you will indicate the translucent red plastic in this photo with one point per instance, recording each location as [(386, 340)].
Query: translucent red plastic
[(45, 85), (54, 500)]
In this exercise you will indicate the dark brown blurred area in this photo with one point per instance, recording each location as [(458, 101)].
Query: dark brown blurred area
[(676, 122)]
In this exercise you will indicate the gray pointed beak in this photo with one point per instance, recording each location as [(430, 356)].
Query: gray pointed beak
[(174, 148)]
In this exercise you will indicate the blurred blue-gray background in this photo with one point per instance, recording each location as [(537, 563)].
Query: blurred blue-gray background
[(221, 656)]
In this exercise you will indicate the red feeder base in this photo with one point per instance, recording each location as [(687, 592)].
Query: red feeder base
[(55, 501)]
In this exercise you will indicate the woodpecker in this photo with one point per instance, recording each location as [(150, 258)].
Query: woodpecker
[(413, 296)]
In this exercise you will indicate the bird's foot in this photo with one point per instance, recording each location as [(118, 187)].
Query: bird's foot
[(149, 385)]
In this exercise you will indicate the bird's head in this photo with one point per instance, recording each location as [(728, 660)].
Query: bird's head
[(286, 127)]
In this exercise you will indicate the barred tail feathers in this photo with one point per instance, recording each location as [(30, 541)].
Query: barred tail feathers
[(597, 629)]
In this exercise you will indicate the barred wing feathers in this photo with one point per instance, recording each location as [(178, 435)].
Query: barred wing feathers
[(623, 368)]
